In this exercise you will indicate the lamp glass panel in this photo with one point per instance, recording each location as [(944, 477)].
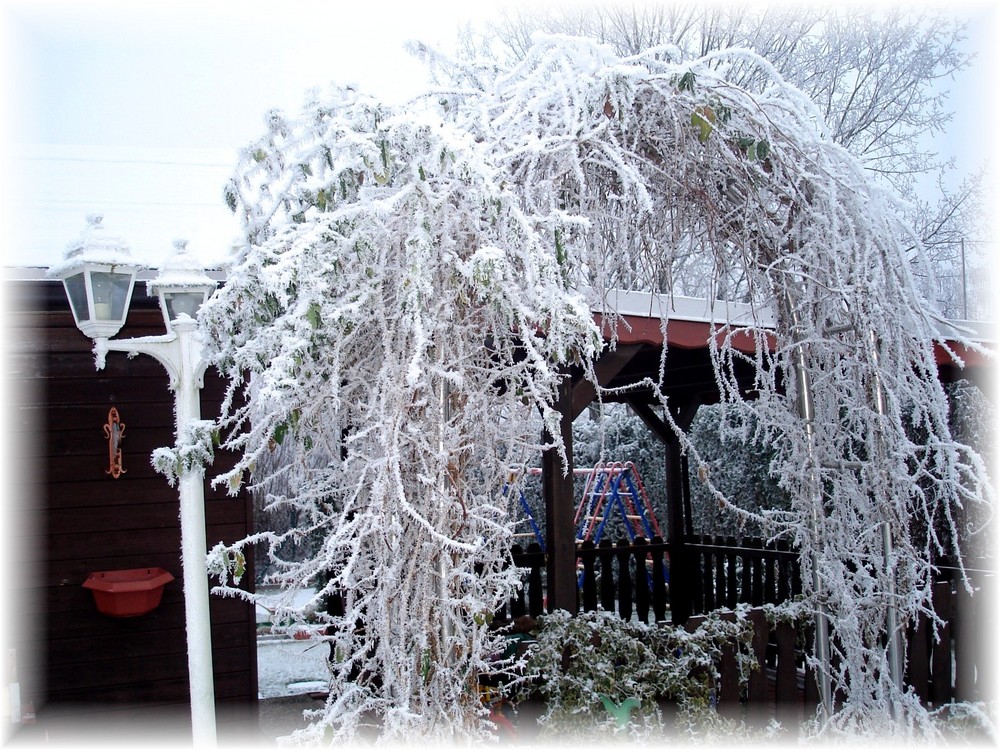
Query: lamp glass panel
[(183, 302), (110, 294), (76, 290)]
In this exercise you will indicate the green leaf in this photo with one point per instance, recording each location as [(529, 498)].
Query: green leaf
[(385, 155), (686, 82), (239, 564), (763, 150), (279, 432), (703, 118), (560, 249), (313, 315)]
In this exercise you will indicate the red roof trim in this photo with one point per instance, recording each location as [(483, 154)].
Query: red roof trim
[(969, 357), (683, 334), (694, 334)]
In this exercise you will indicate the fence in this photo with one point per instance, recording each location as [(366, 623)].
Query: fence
[(720, 574), (944, 664)]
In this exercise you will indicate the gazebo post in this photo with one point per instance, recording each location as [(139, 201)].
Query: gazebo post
[(683, 411), (680, 585), (557, 492)]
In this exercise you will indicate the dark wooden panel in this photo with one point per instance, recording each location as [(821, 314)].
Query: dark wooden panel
[(137, 671), (96, 519), (93, 522), (228, 687), (80, 426), (118, 543), (113, 645), (128, 490)]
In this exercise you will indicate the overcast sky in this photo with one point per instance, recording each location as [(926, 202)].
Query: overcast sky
[(136, 109)]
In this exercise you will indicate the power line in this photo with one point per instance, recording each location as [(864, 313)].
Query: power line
[(47, 203), (161, 162)]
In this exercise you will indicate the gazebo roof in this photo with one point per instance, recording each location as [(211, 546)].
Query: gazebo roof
[(645, 322)]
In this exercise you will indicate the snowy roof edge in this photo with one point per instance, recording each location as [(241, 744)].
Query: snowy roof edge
[(639, 304), (676, 307)]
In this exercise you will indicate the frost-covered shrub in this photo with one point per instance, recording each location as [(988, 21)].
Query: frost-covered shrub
[(600, 676), (739, 467)]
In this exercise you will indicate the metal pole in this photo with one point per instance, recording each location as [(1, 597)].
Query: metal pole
[(965, 294), (807, 412), (197, 618), (447, 626), (891, 621)]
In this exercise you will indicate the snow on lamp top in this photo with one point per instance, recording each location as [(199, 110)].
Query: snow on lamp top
[(94, 245), (180, 269), (182, 284), (98, 275)]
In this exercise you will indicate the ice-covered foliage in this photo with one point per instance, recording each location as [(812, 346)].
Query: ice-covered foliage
[(194, 451), (394, 316), (738, 466), (591, 666), (413, 279)]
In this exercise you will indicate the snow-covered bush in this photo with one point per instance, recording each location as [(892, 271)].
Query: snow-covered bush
[(602, 677), (737, 465)]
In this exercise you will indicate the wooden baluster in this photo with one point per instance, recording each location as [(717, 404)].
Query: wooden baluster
[(941, 653), (624, 580), (587, 555), (757, 586), (769, 579), (659, 594), (693, 577), (721, 595), (640, 552), (746, 580), (787, 710), (707, 573), (918, 661), (732, 592), (757, 694), (606, 553)]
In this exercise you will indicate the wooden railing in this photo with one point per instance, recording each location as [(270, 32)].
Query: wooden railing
[(727, 572), (633, 580), (955, 665)]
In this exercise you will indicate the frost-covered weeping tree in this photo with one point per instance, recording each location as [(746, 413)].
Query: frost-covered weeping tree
[(392, 318), (413, 280)]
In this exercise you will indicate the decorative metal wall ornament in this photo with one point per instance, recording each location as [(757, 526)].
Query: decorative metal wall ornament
[(114, 431)]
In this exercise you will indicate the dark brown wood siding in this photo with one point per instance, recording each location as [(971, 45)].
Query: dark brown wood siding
[(74, 518)]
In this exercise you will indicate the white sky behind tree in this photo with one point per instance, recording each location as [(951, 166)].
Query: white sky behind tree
[(136, 109)]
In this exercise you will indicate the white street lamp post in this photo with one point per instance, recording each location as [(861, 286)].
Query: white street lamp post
[(99, 276)]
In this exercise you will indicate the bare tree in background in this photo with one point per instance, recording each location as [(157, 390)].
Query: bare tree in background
[(879, 78)]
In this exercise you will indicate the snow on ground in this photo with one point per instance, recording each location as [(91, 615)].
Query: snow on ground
[(287, 666)]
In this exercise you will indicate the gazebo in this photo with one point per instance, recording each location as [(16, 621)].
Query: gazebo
[(649, 324)]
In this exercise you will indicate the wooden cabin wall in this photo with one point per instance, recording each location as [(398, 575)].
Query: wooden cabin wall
[(80, 519)]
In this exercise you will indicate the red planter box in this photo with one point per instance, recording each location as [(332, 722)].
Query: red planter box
[(127, 593)]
